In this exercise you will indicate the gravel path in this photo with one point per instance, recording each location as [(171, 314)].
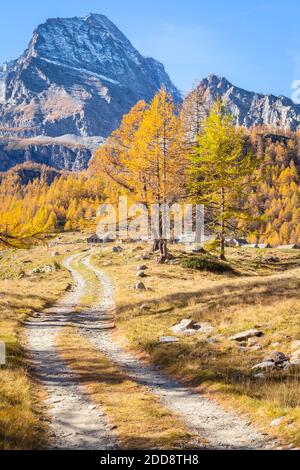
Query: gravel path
[(75, 423), (78, 424), (221, 430)]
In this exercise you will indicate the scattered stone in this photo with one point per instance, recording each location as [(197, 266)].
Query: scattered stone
[(205, 327), (189, 327), (107, 238), (199, 249), (55, 253), (293, 362), (264, 365), (272, 259), (117, 249), (253, 341), (260, 375), (144, 307), (244, 335), (141, 274), (296, 354), (183, 325), (256, 347), (142, 267), (211, 340), (277, 422), (140, 286), (168, 339), (277, 357), (43, 269), (295, 344), (275, 345)]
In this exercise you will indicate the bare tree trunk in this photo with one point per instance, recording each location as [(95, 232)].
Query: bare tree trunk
[(155, 246), (163, 248), (222, 254)]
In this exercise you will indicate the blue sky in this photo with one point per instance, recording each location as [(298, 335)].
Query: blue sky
[(256, 45)]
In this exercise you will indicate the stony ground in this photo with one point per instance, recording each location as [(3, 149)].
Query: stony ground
[(75, 421)]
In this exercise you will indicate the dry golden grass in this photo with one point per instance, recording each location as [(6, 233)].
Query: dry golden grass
[(261, 294), (21, 424), (141, 421)]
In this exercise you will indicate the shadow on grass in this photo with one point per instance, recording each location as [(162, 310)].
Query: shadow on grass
[(257, 291)]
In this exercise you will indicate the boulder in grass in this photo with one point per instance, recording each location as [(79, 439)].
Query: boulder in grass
[(140, 286), (117, 249), (185, 327), (107, 237), (182, 326), (55, 253), (205, 328), (296, 354), (294, 362), (189, 327), (140, 274), (295, 344), (142, 267), (276, 422), (108, 263), (144, 307), (265, 365), (245, 335), (272, 259), (144, 257), (277, 357), (260, 375), (253, 341), (168, 339)]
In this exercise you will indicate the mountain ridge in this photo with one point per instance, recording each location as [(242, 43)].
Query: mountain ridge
[(250, 108), (77, 76)]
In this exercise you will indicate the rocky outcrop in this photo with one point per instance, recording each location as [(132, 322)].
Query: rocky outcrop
[(78, 76), (249, 108), (57, 155)]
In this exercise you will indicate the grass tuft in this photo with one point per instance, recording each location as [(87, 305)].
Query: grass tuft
[(206, 263)]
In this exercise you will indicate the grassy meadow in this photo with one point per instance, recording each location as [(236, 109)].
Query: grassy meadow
[(253, 292), (22, 422)]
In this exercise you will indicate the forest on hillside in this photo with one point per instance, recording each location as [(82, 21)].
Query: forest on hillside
[(37, 199)]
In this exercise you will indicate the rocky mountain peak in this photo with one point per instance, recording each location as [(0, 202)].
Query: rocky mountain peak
[(78, 76), (250, 108)]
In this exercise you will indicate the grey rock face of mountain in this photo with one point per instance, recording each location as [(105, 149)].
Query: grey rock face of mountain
[(253, 109), (78, 76), (55, 154)]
